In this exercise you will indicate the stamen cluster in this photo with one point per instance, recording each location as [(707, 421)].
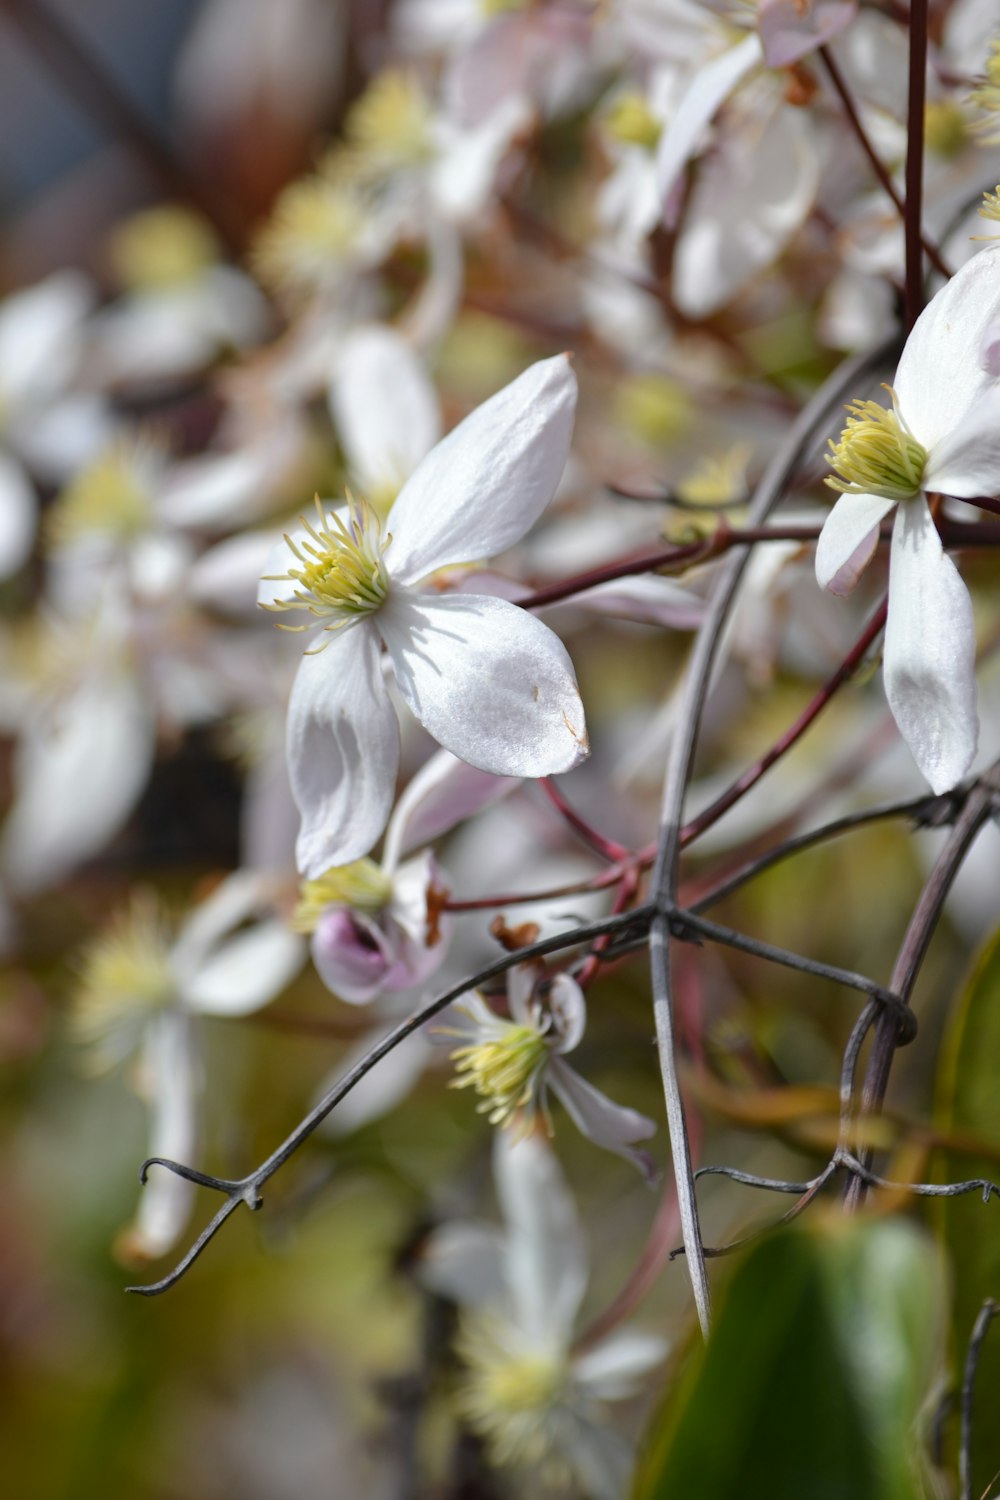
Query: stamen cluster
[(876, 453)]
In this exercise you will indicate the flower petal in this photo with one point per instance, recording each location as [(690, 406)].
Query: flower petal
[(385, 408), (709, 87), (790, 29), (171, 1082), (613, 1126), (352, 955), (848, 539), (478, 491), (489, 681), (569, 1011), (343, 750), (966, 462), (930, 650), (940, 374), (18, 516), (444, 792), (247, 972), (612, 1369), (546, 1260), (463, 1261)]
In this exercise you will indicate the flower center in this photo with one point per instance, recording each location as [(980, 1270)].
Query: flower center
[(631, 121), (111, 497), (363, 885), (877, 454), (514, 1397), (946, 132), (341, 572), (503, 1069), (389, 126), (125, 975)]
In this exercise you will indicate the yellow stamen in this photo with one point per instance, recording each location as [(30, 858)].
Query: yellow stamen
[(113, 496), (316, 230), (631, 121), (162, 247), (513, 1396), (504, 1070), (341, 573), (125, 975), (876, 454), (362, 885), (986, 96), (389, 126), (946, 130)]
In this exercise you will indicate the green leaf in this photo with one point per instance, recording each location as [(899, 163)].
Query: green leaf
[(822, 1356), (968, 1103)]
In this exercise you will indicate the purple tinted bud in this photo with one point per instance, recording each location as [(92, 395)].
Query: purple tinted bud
[(351, 955)]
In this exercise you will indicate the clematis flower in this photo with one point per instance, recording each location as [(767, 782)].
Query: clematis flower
[(489, 681), (940, 435), (513, 1063), (538, 1403)]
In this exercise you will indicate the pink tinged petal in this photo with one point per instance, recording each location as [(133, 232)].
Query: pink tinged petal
[(343, 750), (569, 1012), (930, 650), (989, 350), (650, 600), (488, 681), (353, 956), (444, 792), (709, 87), (966, 462), (492, 66), (170, 1074), (940, 375), (385, 408), (613, 1126), (18, 516), (546, 1261), (848, 539), (247, 972), (790, 30), (481, 488)]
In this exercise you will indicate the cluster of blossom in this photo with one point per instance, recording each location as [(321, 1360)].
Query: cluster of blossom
[(678, 191)]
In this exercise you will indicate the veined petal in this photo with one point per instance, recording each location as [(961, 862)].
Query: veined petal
[(343, 750), (489, 681), (478, 491), (966, 462), (847, 532), (613, 1126), (930, 650), (940, 374), (385, 408), (709, 87)]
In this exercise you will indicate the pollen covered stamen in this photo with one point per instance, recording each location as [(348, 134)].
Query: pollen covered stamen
[(341, 573), (877, 454), (503, 1069), (363, 885)]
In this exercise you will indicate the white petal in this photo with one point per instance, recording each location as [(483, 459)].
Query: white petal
[(940, 375), (546, 1265), (40, 338), (444, 792), (171, 1073), (569, 1011), (930, 650), (464, 1262), (709, 87), (381, 1089), (489, 681), (385, 408), (650, 599), (478, 491), (247, 972), (613, 1368), (18, 516), (79, 771), (848, 529), (274, 584), (613, 1126), (343, 750), (966, 462)]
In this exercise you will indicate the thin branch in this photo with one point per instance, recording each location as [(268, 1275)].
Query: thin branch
[(679, 765), (987, 1313), (247, 1189), (917, 91)]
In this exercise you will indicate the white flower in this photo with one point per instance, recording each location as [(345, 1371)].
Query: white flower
[(941, 435), (513, 1063), (538, 1404), (139, 992), (489, 681)]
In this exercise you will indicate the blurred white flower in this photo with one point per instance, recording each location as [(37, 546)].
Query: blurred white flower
[(539, 1405)]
